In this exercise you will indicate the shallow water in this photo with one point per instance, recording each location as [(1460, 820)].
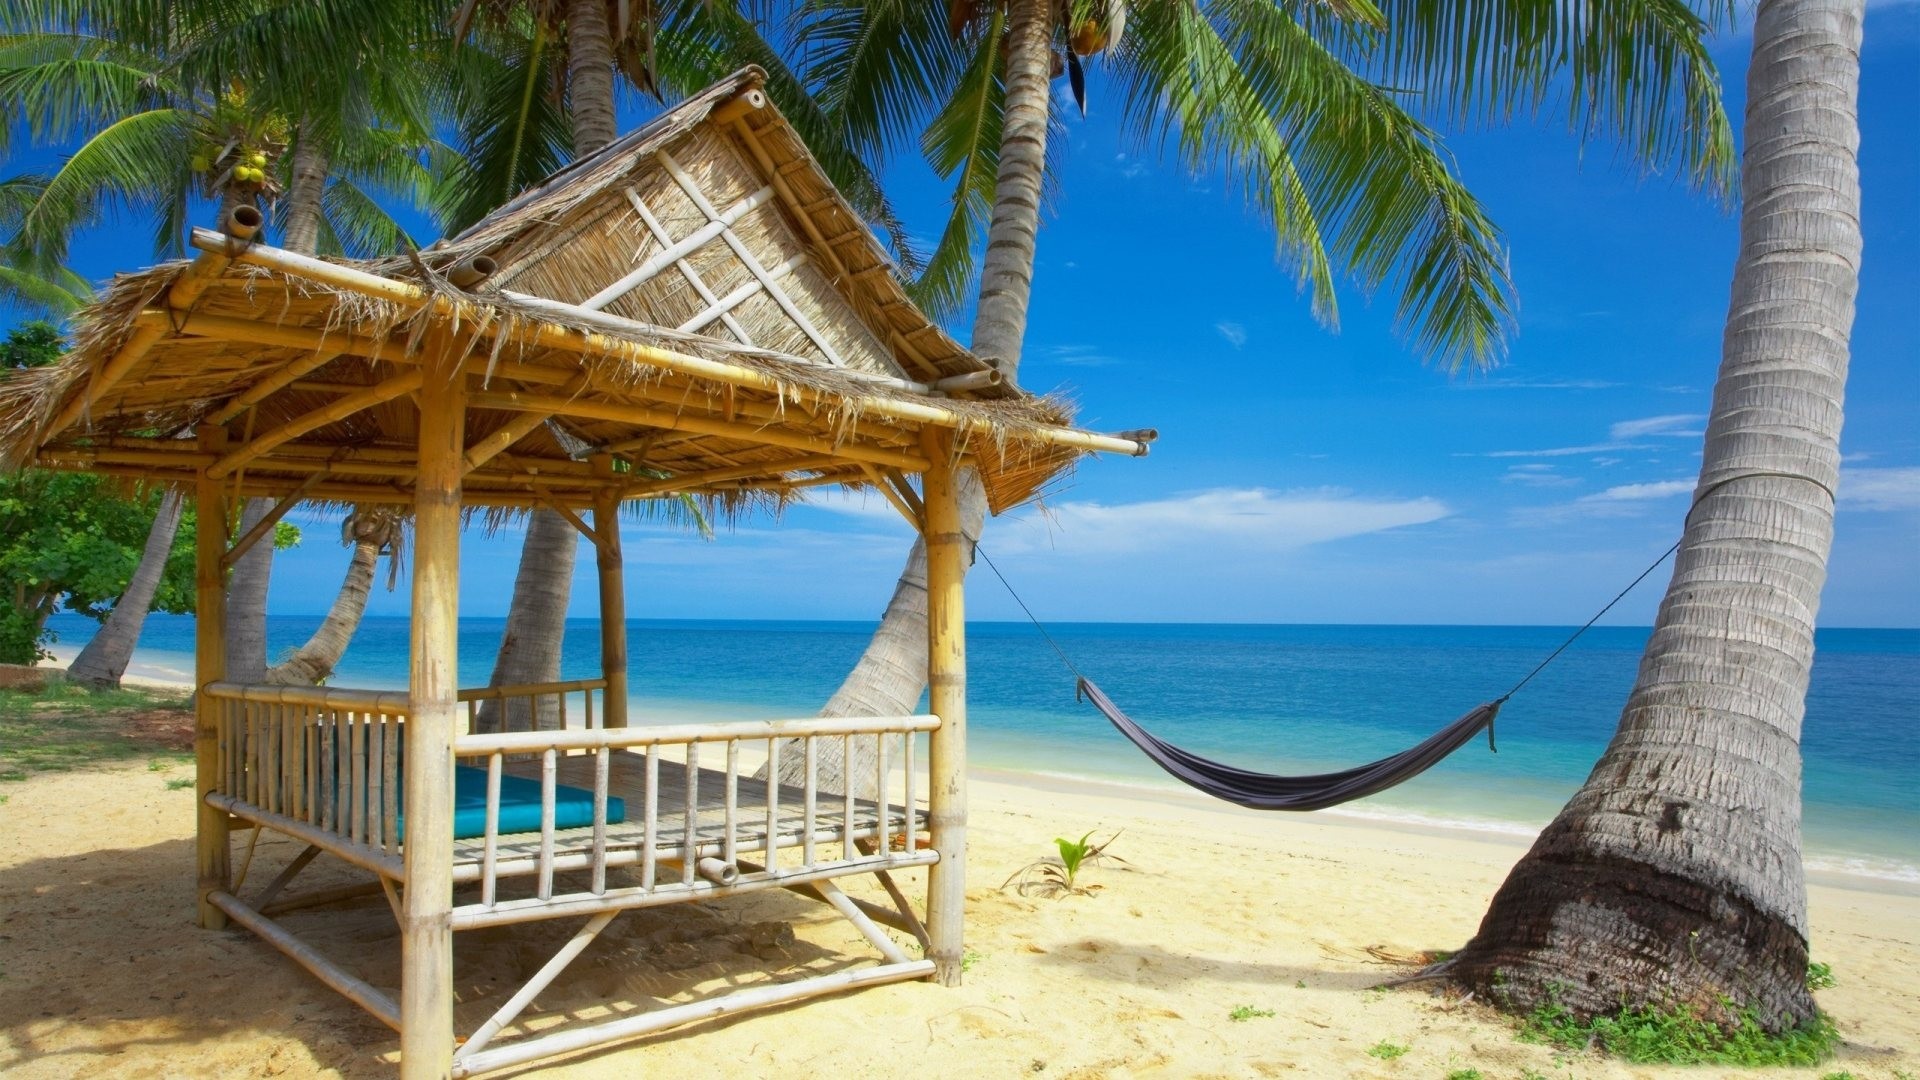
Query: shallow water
[(1275, 698)]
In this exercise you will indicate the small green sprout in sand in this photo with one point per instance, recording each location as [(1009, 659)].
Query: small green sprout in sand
[(1248, 1012), (1466, 1074), (1059, 875), (180, 783), (1819, 976), (1387, 1050)]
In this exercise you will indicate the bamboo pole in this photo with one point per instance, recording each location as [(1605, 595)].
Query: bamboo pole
[(947, 684), (355, 989), (541, 980), (398, 386), (610, 563), (272, 382), (547, 335), (210, 663), (426, 932), (687, 271), (699, 238), (522, 742)]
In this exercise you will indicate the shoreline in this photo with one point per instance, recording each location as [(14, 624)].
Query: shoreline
[(1842, 871)]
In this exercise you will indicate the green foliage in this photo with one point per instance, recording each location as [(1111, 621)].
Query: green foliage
[(1649, 1035), (180, 783), (1249, 1012), (1387, 1050), (1819, 976), (70, 727), (31, 345), (1059, 875), (1466, 1074)]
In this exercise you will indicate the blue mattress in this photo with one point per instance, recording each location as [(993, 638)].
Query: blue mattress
[(519, 805)]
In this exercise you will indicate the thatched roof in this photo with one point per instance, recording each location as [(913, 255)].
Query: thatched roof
[(694, 308)]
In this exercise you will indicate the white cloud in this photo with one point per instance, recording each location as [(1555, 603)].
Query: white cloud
[(1207, 521), (1677, 425), (1076, 355), (1522, 382), (1658, 489), (1892, 488), (1537, 475), (1235, 334), (1567, 451)]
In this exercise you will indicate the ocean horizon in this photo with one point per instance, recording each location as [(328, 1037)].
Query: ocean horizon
[(1272, 697)]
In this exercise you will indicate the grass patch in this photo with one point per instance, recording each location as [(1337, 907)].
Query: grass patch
[(1249, 1012), (1819, 976), (70, 727), (1466, 1074), (1387, 1050), (180, 783), (1647, 1035)]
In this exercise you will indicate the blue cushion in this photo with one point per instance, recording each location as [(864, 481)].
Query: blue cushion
[(519, 805)]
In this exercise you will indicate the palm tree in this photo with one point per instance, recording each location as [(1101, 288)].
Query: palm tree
[(1674, 874), (369, 531), (104, 659), (1301, 109), (166, 109)]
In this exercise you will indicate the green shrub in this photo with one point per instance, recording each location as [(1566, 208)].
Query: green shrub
[(1648, 1035)]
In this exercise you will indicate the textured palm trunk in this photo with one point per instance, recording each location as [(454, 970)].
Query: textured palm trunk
[(247, 599), (536, 623), (316, 660), (891, 674), (105, 658), (305, 190), (530, 647), (1674, 876)]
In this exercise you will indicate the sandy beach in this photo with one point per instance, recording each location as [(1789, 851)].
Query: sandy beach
[(105, 975)]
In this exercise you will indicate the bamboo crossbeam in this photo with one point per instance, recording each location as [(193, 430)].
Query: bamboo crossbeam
[(571, 686), (272, 383), (541, 979), (560, 337), (361, 855), (320, 898), (507, 912), (684, 481), (694, 241), (761, 997), (514, 430), (687, 271), (353, 988), (270, 519), (343, 699), (521, 742), (719, 309), (641, 415), (398, 386), (751, 261)]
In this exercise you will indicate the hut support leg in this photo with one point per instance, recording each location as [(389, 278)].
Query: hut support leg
[(285, 877), (613, 597), (541, 980), (210, 666), (947, 683), (426, 924)]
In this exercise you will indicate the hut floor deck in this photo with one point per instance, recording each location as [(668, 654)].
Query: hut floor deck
[(626, 779)]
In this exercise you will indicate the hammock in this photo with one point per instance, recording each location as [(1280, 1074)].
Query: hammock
[(1265, 791)]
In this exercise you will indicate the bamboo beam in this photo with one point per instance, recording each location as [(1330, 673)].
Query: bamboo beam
[(398, 386), (696, 240), (687, 271), (611, 564), (270, 519), (212, 851), (283, 376), (515, 429), (947, 687), (751, 261), (355, 989), (573, 519), (719, 309), (648, 417), (885, 487), (523, 742), (426, 928), (690, 480), (972, 380), (570, 340)]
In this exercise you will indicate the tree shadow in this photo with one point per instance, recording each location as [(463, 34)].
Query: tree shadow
[(104, 968), (1125, 961)]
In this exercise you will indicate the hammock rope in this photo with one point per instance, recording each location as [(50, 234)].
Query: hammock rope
[(1273, 791)]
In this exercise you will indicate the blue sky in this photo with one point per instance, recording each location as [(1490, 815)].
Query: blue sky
[(1304, 475)]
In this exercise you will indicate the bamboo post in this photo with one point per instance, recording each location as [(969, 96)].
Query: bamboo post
[(426, 929), (613, 598), (210, 666), (947, 684)]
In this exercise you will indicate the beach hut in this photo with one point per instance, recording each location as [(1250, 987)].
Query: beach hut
[(692, 311)]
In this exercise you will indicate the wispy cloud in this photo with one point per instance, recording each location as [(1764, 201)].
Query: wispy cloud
[(1892, 488), (1235, 334), (1566, 451), (1075, 355), (1245, 518), (1676, 425), (1129, 167), (1537, 475), (1522, 382), (1658, 489)]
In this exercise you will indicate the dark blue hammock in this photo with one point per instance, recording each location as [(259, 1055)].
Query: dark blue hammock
[(1266, 791)]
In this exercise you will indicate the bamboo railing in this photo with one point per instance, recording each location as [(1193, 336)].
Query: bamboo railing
[(563, 695), (700, 851)]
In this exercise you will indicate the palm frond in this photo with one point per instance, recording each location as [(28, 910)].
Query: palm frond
[(962, 144)]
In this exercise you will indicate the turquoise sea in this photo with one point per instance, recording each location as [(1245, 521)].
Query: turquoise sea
[(1275, 698)]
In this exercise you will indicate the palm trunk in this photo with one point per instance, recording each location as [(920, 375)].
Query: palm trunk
[(892, 672), (316, 660), (537, 618), (1673, 877), (536, 623), (590, 76), (249, 583), (304, 193), (247, 599), (105, 658)]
